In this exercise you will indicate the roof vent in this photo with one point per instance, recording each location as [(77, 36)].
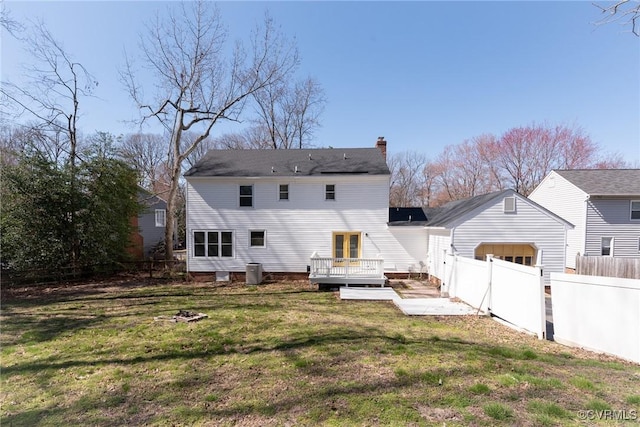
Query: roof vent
[(309, 156), (344, 155), (273, 170), (296, 169)]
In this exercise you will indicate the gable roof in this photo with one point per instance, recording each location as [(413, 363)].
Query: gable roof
[(407, 216), (604, 182), (304, 162), (451, 211), (149, 199), (446, 214)]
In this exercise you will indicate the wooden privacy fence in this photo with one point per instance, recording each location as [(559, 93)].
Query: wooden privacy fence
[(624, 268)]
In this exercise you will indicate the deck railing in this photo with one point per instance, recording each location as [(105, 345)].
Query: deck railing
[(347, 267)]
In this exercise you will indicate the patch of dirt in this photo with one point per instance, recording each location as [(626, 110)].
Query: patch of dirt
[(439, 414), (55, 291)]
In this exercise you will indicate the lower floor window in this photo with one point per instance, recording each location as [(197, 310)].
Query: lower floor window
[(605, 246), (257, 239), (213, 243)]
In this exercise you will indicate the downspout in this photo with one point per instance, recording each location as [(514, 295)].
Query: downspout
[(187, 240), (446, 289), (584, 241)]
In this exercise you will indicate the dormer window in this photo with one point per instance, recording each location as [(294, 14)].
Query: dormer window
[(509, 204)]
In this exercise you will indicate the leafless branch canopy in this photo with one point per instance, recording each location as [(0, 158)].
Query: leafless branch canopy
[(625, 12), (55, 86)]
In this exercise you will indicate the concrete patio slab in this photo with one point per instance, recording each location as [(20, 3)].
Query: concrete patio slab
[(433, 307), (409, 306), (368, 294)]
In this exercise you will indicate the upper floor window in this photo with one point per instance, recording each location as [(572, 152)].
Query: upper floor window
[(283, 193), (246, 195), (161, 217), (606, 248), (330, 192), (635, 209)]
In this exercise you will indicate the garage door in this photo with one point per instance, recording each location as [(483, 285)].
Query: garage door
[(520, 253)]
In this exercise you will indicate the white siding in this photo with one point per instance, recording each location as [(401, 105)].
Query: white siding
[(439, 244), (295, 228), (528, 224), (413, 242), (569, 202), (611, 218)]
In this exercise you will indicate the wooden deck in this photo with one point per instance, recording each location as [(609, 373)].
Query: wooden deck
[(347, 271)]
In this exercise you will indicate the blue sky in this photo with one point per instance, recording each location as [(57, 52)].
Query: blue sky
[(422, 74)]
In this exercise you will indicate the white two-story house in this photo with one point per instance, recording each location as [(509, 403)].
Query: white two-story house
[(281, 208), (604, 206)]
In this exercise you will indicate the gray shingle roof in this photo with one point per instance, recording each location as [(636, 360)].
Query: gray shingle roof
[(443, 215), (255, 163), (604, 182)]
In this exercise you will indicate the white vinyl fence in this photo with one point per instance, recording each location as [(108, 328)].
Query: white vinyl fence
[(517, 295), (512, 292), (597, 313), (467, 279)]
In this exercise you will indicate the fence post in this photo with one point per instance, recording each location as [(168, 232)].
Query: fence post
[(542, 332), (487, 293), (449, 266)]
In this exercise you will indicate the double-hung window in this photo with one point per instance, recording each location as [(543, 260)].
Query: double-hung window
[(257, 238), (330, 192), (246, 195), (606, 247), (161, 217), (283, 192), (635, 209), (213, 244)]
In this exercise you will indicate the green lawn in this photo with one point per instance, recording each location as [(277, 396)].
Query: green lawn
[(283, 354)]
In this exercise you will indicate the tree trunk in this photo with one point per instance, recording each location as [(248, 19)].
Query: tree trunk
[(173, 188)]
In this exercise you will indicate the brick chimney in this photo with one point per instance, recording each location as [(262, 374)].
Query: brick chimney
[(381, 145)]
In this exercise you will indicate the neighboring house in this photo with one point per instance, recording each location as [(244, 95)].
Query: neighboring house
[(604, 206), (151, 223), (505, 224), (279, 207)]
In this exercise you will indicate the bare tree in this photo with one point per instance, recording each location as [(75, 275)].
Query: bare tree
[(466, 170), (527, 154), (308, 104), (31, 138), (8, 23), (625, 12), (199, 83), (55, 86), (146, 153), (407, 179), (288, 115)]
